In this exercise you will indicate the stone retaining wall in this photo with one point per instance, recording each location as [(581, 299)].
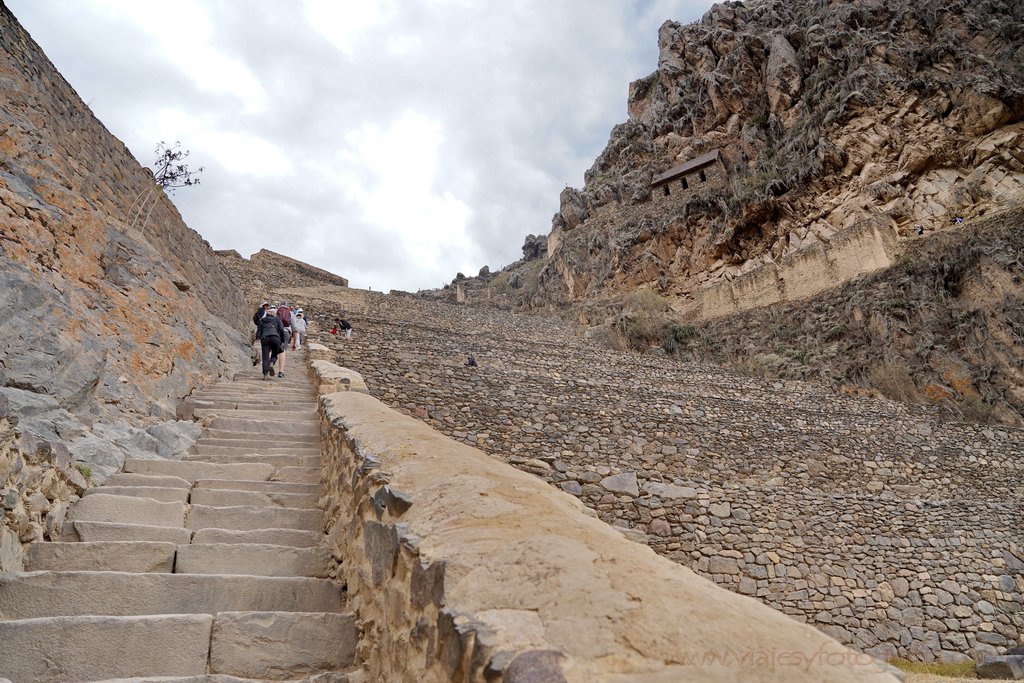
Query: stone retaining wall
[(37, 484), (864, 248), (920, 580), (462, 568), (854, 496)]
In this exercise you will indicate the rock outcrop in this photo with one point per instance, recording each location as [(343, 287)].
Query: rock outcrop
[(113, 308), (37, 484), (266, 271), (827, 116)]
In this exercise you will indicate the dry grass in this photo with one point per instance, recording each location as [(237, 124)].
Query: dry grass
[(937, 672)]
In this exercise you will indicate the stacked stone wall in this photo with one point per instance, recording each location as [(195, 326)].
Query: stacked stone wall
[(896, 532), (37, 484), (462, 568)]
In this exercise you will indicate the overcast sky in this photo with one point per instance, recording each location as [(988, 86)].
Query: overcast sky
[(394, 142)]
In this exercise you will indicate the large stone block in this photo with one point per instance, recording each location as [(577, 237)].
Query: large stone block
[(223, 497), (48, 594), (249, 517), (267, 486), (192, 471), (111, 531), (112, 556), (254, 560), (1003, 667), (298, 538), (160, 493), (90, 648), (127, 510), (280, 645)]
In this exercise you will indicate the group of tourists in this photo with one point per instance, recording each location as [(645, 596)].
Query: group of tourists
[(278, 328)]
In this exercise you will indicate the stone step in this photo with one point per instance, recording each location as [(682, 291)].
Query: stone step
[(88, 648), (250, 517), (253, 560), (300, 475), (297, 414), (282, 645), (306, 422), (251, 397), (102, 507), (306, 436), (125, 479), (275, 460), (50, 594), (102, 556), (253, 450), (256, 390), (296, 538), (228, 497), (264, 407), (199, 470), (160, 493), (208, 678), (267, 486), (95, 532)]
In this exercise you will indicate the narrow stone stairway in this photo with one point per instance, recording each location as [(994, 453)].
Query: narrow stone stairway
[(205, 569)]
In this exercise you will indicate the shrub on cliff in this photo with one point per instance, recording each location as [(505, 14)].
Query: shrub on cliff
[(170, 170)]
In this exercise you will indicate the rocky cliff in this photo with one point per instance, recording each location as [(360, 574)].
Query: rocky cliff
[(113, 308), (781, 128)]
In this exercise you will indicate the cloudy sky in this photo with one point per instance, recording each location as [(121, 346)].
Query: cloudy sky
[(394, 142)]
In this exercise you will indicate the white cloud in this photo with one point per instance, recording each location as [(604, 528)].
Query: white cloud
[(392, 142)]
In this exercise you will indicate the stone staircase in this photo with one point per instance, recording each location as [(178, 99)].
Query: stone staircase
[(208, 569)]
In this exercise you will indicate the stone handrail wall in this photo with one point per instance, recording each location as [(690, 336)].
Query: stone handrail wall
[(462, 568), (37, 484)]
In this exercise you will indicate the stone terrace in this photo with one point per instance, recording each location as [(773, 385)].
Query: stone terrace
[(888, 529)]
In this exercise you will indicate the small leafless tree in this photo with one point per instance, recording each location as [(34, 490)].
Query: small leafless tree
[(170, 169)]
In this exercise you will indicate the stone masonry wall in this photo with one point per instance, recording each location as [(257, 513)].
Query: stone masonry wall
[(461, 568), (894, 531), (864, 248), (37, 484)]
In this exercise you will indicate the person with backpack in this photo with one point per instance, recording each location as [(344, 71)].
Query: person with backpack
[(271, 334), (285, 314), (260, 312), (298, 329)]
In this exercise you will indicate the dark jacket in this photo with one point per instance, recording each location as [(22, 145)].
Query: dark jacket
[(270, 326), (258, 316)]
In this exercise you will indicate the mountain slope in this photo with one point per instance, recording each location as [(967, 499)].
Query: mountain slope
[(824, 118)]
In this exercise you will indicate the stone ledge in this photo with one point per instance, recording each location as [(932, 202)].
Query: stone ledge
[(331, 378), (319, 352), (463, 568)]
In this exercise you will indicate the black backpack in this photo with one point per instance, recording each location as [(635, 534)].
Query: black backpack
[(267, 328)]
